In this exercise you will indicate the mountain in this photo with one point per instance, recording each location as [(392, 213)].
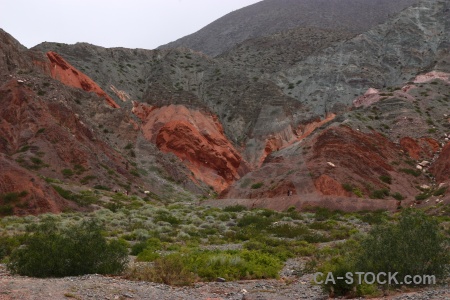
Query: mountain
[(273, 16), (328, 115)]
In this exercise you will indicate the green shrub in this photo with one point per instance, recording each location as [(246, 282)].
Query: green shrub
[(257, 185), (289, 231), (412, 172), (143, 249), (87, 178), (413, 246), (233, 265), (12, 197), (101, 187), (66, 194), (386, 179), (8, 244), (323, 214), (170, 269), (167, 217), (235, 208), (398, 196), (379, 194), (440, 192), (255, 220), (6, 210), (357, 192), (347, 186), (375, 217), (50, 251), (67, 172), (424, 195)]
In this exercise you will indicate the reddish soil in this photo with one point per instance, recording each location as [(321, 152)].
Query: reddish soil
[(63, 71), (322, 164), (44, 136), (39, 197), (197, 138), (328, 186), (441, 167), (423, 148), (305, 202), (359, 159)]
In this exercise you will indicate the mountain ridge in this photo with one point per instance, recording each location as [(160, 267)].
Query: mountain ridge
[(272, 16)]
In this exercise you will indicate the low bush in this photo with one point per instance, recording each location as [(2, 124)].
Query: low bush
[(379, 194), (386, 179), (169, 269), (257, 185), (415, 173), (235, 208), (49, 251), (186, 267), (414, 245), (398, 196), (8, 244)]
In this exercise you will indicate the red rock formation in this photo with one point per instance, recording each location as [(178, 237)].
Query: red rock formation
[(421, 148), (197, 138), (358, 158), (53, 138), (39, 197), (441, 167), (328, 186), (61, 70)]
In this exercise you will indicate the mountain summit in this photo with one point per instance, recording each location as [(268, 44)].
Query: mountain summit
[(272, 16)]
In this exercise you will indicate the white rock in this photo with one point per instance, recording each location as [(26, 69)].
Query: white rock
[(424, 163), (331, 164), (442, 184), (419, 167), (425, 187)]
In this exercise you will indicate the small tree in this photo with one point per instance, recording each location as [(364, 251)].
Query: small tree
[(79, 249), (413, 246)]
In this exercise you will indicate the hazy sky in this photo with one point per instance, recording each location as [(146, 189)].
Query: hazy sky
[(110, 23)]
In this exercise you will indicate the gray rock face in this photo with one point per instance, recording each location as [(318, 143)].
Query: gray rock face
[(271, 16), (320, 77), (390, 54)]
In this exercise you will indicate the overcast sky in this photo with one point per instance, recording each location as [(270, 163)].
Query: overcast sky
[(110, 23)]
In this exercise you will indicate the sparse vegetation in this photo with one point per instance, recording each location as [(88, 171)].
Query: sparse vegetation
[(412, 172), (416, 246), (257, 185), (50, 251)]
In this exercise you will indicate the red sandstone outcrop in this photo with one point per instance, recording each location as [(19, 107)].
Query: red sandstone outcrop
[(421, 148), (46, 136), (38, 197), (328, 186), (61, 70), (441, 167), (197, 138)]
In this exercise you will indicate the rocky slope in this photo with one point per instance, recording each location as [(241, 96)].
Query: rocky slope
[(391, 54), (394, 145), (69, 130), (330, 116), (272, 16)]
